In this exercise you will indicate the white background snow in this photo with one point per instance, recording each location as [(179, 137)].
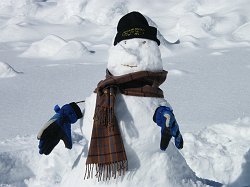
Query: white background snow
[(55, 52)]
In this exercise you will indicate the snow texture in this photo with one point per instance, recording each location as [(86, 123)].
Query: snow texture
[(63, 48), (135, 55), (212, 144), (7, 71), (55, 48)]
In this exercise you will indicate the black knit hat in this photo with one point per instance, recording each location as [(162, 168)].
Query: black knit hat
[(135, 25)]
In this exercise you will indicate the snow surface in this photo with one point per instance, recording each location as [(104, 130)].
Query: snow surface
[(207, 85), (7, 71), (56, 48), (141, 140), (134, 55), (217, 149)]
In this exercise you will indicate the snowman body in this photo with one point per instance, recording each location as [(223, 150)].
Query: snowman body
[(132, 112), (147, 164)]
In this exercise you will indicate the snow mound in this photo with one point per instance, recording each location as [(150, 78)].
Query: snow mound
[(193, 25), (242, 33), (200, 19), (20, 7), (48, 47), (177, 72), (223, 43), (21, 165), (204, 18), (17, 31), (56, 48), (73, 49), (100, 12), (6, 70), (165, 42), (177, 173), (221, 152)]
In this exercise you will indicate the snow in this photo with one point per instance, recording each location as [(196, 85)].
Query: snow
[(56, 48), (105, 12), (21, 32), (22, 166), (177, 72), (47, 47), (242, 32), (62, 48), (135, 135), (7, 71), (218, 149), (134, 55)]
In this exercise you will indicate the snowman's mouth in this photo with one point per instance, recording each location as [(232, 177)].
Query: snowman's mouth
[(130, 66)]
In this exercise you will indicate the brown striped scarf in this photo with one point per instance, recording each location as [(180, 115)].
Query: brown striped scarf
[(106, 152)]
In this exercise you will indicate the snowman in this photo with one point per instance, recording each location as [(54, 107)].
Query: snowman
[(127, 122)]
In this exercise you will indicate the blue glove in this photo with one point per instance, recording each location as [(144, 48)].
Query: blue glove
[(165, 118), (58, 128)]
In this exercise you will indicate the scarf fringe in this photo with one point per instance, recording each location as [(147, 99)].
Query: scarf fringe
[(106, 171)]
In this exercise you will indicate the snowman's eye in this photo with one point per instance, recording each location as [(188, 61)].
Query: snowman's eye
[(144, 42)]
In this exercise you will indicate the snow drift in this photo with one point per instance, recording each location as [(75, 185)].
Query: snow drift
[(242, 33), (103, 13), (18, 31), (7, 71), (221, 152), (21, 165), (56, 48), (199, 19)]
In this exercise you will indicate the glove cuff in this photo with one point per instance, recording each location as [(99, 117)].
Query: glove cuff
[(76, 109)]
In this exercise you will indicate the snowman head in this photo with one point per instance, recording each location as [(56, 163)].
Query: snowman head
[(136, 47)]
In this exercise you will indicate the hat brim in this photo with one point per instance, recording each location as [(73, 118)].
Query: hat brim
[(142, 32)]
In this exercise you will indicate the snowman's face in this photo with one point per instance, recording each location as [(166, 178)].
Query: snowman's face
[(134, 55)]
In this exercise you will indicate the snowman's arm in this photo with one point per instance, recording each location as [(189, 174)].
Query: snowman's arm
[(164, 117)]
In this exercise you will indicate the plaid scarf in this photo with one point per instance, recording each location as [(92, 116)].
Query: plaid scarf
[(106, 152)]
